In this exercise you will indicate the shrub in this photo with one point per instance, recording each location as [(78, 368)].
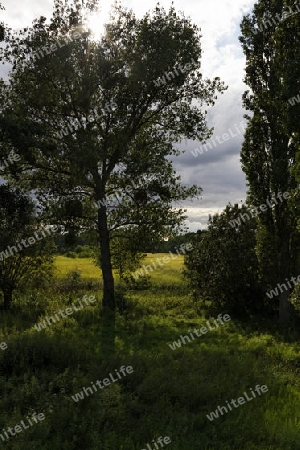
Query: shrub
[(70, 254), (84, 251), (295, 297), (223, 268)]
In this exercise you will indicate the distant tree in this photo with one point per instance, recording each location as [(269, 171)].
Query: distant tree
[(223, 267), (126, 253), (271, 42), (24, 250), (174, 242), (171, 244)]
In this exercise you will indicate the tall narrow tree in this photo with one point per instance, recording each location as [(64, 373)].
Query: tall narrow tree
[(270, 40), (1, 26)]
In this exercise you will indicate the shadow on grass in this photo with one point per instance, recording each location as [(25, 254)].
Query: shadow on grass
[(169, 392)]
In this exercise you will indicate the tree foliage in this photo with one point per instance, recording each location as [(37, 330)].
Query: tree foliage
[(20, 260), (1, 26), (126, 253), (270, 40), (223, 268), (89, 121)]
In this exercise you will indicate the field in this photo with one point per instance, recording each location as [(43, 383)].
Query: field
[(168, 393)]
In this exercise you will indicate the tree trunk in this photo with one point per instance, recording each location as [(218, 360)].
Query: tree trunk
[(284, 271), (7, 292), (108, 300), (284, 308)]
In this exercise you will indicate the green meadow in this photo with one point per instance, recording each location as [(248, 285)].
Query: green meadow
[(169, 393)]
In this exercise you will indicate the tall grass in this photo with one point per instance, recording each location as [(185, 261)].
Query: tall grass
[(168, 394)]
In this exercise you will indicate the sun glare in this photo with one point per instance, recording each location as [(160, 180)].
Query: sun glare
[(96, 21)]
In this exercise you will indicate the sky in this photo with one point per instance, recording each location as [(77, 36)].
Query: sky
[(216, 167)]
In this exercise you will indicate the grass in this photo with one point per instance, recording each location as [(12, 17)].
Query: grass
[(85, 266), (88, 270), (169, 392)]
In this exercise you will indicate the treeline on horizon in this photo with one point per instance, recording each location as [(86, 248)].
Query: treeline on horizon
[(72, 245)]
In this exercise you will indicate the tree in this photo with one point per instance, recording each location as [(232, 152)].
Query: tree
[(23, 256), (1, 26), (172, 244), (223, 267), (270, 40), (126, 253), (90, 119)]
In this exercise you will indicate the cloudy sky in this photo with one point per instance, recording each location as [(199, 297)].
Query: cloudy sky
[(217, 170)]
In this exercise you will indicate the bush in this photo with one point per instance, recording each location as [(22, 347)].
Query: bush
[(142, 282), (223, 268), (84, 251), (295, 297), (70, 254), (73, 282)]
